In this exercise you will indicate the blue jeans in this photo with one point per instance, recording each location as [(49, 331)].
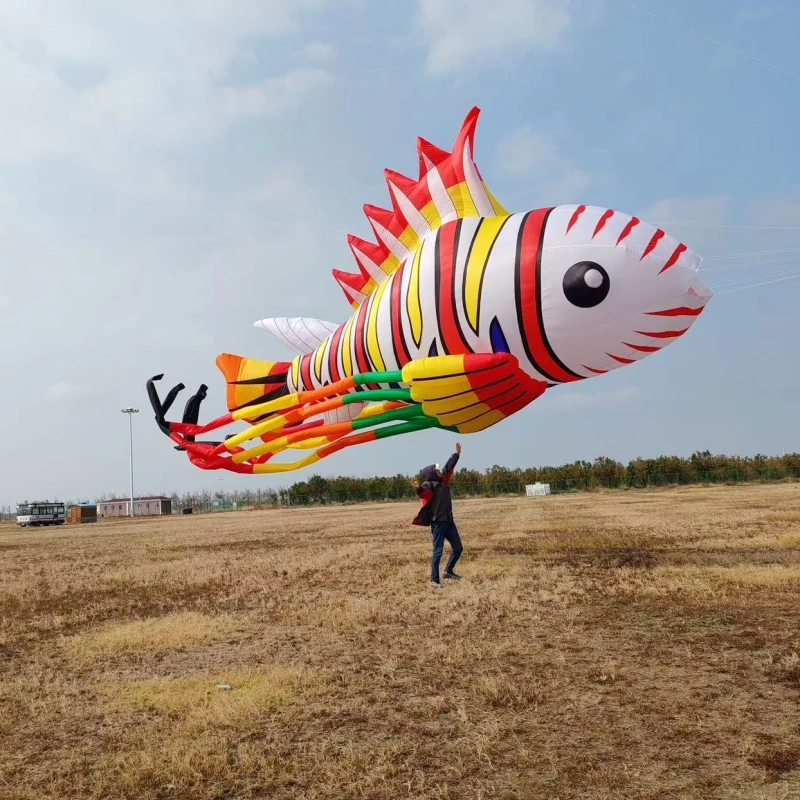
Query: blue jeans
[(442, 531)]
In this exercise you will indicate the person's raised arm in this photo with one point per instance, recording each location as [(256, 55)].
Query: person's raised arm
[(450, 466)]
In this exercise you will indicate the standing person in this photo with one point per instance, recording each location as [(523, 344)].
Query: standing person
[(437, 511)]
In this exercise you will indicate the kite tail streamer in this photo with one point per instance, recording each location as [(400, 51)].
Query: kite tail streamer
[(462, 394), (289, 421)]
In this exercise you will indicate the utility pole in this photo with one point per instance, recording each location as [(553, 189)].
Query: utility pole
[(130, 412)]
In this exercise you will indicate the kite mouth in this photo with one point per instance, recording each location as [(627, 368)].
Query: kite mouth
[(697, 288)]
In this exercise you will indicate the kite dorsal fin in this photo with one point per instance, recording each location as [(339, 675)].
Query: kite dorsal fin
[(449, 187), (300, 334)]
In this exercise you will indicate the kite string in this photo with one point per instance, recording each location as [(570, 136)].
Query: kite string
[(763, 283), (521, 57), (746, 225), (751, 264), (726, 46), (699, 35), (750, 278), (753, 253), (713, 41)]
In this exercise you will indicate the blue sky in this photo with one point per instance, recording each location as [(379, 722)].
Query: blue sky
[(170, 173)]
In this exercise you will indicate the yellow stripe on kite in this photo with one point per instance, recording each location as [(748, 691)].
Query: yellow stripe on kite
[(462, 200), (268, 407), (373, 345), (372, 410), (409, 238), (344, 344), (275, 446), (310, 444), (498, 209), (389, 264), (431, 214), (449, 405), (319, 358), (254, 431), (485, 236), (482, 422), (267, 469), (461, 415), (413, 302), (433, 367)]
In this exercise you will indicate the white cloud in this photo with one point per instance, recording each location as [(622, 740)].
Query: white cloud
[(524, 153), (201, 34), (464, 33), (574, 401), (701, 211), (716, 208), (319, 52), (5, 301), (568, 187), (142, 233), (149, 75)]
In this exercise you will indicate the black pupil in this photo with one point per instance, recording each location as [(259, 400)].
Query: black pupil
[(586, 284)]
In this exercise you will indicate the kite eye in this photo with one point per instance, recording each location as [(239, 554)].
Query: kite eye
[(586, 284)]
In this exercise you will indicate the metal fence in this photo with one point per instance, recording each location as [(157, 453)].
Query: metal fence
[(488, 488)]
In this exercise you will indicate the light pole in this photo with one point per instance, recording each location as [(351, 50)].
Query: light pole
[(130, 412)]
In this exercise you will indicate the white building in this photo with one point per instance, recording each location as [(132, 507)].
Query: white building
[(142, 507)]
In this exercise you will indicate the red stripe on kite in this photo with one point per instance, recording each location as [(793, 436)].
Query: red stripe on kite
[(530, 301), (662, 334), (657, 236), (305, 371), (574, 218), (632, 223), (396, 316), (595, 371), (333, 354), (358, 336), (497, 389), (602, 221), (679, 311), (673, 259), (446, 245), (642, 348), (621, 359)]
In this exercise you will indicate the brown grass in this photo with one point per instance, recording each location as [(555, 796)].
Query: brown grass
[(620, 645)]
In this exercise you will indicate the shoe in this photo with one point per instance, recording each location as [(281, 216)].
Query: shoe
[(451, 576), (436, 584)]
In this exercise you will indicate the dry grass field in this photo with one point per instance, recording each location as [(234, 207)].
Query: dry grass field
[(613, 645)]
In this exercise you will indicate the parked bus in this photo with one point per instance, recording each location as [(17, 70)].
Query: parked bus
[(34, 514)]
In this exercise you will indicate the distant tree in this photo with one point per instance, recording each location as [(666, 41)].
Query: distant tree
[(701, 467)]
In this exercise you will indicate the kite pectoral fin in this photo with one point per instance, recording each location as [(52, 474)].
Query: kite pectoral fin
[(469, 393)]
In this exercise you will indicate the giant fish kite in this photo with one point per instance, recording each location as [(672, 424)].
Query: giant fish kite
[(464, 313)]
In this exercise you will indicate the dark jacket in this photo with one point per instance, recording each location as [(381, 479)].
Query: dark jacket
[(437, 505)]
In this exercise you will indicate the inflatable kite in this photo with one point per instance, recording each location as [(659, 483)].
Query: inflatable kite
[(464, 314)]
